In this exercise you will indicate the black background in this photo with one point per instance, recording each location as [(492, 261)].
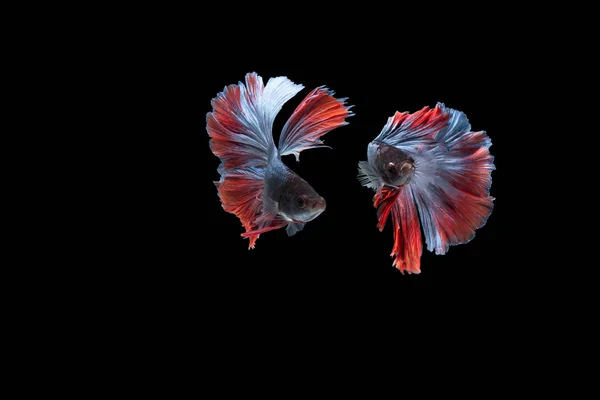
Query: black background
[(172, 262), (341, 257)]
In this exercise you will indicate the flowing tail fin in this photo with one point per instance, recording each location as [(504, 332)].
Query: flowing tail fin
[(318, 114), (240, 127), (452, 189)]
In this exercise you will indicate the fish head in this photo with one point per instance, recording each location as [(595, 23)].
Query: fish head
[(395, 167), (299, 201)]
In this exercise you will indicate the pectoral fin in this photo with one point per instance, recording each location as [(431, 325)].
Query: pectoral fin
[(294, 227)]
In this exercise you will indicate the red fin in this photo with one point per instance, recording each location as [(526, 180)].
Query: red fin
[(383, 201), (242, 148), (234, 138), (271, 225), (318, 114), (407, 230), (452, 183), (405, 128), (240, 194), (456, 219), (241, 153), (408, 246), (427, 118), (476, 164)]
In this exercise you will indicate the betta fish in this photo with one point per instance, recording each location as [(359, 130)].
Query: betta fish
[(429, 166), (255, 184)]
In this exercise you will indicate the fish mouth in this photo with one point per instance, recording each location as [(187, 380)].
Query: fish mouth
[(318, 206), (314, 216), (407, 167)]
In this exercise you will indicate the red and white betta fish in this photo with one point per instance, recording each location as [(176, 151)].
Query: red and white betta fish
[(429, 161), (255, 184)]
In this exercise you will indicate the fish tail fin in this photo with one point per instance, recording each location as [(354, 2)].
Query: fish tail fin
[(240, 129), (241, 123), (318, 114), (452, 182)]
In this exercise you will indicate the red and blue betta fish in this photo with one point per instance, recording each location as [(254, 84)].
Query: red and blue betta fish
[(429, 166), (255, 184)]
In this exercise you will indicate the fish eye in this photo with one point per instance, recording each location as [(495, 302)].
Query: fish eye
[(391, 167), (301, 201)]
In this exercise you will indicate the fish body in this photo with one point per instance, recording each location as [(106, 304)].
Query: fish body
[(430, 172), (294, 198), (255, 184)]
